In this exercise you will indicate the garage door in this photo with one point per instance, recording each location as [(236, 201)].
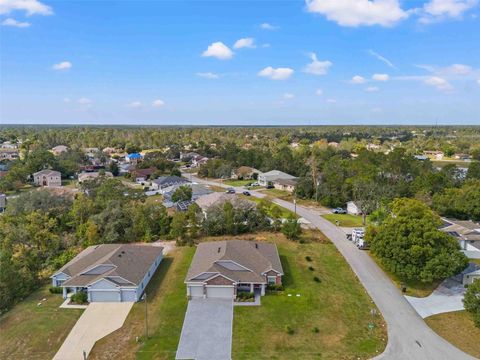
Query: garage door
[(104, 296), (196, 291), (129, 295), (225, 292)]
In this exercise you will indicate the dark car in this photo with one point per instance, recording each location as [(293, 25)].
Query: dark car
[(339, 211), (247, 193), (231, 191)]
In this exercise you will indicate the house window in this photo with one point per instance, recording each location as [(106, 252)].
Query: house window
[(272, 280)]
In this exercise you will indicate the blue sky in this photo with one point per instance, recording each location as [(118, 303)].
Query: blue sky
[(240, 62)]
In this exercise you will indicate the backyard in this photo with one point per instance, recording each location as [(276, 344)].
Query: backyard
[(33, 331), (328, 318), (457, 328)]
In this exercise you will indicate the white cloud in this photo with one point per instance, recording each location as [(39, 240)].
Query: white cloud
[(319, 92), (158, 103), (208, 75), (31, 7), (317, 67), (276, 74), (439, 83), (377, 109), (478, 81), (84, 101), (459, 69), (64, 65), (266, 45), (135, 104), (218, 50), (380, 77), (245, 43), (331, 101), (15, 23), (357, 79), (267, 26), (372, 89), (288, 96), (382, 58), (454, 70), (438, 10), (67, 100), (359, 12)]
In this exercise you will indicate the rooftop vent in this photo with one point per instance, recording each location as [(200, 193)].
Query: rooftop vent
[(123, 252), (256, 246), (119, 255), (219, 248)]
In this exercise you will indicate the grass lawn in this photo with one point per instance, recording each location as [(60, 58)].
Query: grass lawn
[(29, 331), (154, 199), (284, 213), (477, 261), (417, 288), (346, 220), (457, 328), (167, 303), (444, 162), (238, 182), (338, 306), (281, 194)]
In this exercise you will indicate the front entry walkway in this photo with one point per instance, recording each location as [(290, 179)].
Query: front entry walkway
[(207, 330), (446, 298), (96, 322)]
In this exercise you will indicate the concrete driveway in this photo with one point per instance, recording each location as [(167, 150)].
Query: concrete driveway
[(96, 322), (446, 298), (207, 330)]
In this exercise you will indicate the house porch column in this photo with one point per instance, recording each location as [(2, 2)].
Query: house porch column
[(64, 290), (263, 290)]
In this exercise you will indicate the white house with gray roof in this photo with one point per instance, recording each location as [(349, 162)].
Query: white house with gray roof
[(110, 272), (221, 268), (268, 178)]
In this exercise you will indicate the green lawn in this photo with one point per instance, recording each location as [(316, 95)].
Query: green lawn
[(284, 213), (338, 306), (238, 182), (285, 195), (167, 303), (346, 220), (29, 331), (457, 328)]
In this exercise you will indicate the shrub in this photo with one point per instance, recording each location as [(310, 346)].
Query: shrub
[(317, 279), (311, 268), (79, 298), (289, 330), (275, 287), (245, 296), (316, 330), (55, 290), (308, 258)]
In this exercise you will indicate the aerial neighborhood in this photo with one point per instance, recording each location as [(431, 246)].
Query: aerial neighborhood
[(273, 244)]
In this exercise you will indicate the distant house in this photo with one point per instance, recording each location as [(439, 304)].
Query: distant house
[(462, 157), (133, 158), (197, 191), (59, 149), (164, 182), (220, 198), (110, 272), (199, 160), (9, 154), (285, 184), (353, 208), (466, 232), (268, 178), (220, 269), (183, 205), (86, 176), (246, 173), (470, 274), (438, 155), (9, 145), (3, 202), (421, 157), (141, 175), (49, 178)]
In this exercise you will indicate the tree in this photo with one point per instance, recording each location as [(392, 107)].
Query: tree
[(474, 170), (113, 168), (461, 203), (291, 228), (183, 193), (175, 172), (472, 301), (409, 244), (178, 229)]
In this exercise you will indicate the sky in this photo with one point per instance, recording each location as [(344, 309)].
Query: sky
[(248, 62)]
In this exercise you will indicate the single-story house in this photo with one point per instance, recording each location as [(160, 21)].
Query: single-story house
[(3, 202), (268, 178), (438, 155), (197, 191), (246, 173), (221, 268), (9, 154), (353, 208), (470, 274), (110, 272), (164, 182), (421, 157), (218, 199), (49, 178), (285, 184), (59, 149), (466, 232), (86, 176), (141, 175), (199, 160), (133, 158)]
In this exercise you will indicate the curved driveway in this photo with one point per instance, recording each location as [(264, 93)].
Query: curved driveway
[(409, 338)]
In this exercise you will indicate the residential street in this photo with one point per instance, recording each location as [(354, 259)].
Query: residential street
[(408, 335)]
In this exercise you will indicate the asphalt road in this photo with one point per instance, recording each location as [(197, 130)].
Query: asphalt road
[(409, 338)]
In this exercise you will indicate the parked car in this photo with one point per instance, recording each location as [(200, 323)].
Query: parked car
[(339, 210), (230, 191), (254, 184), (247, 193), (270, 186)]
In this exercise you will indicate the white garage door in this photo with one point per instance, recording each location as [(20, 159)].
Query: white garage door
[(104, 296), (129, 295), (196, 291), (225, 292)]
